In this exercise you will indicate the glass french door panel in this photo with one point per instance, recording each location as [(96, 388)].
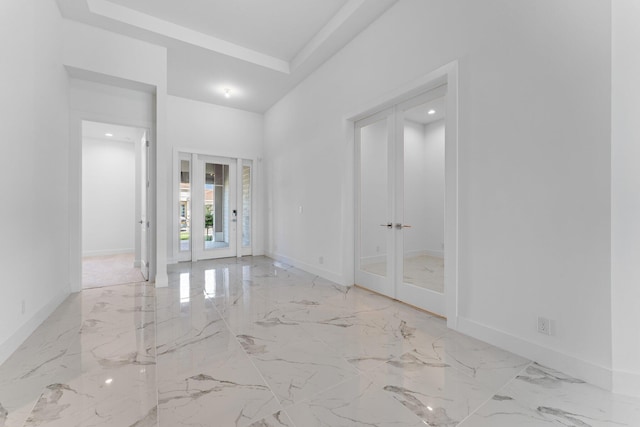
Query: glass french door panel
[(216, 206), (423, 196), (246, 206), (184, 207), (374, 199)]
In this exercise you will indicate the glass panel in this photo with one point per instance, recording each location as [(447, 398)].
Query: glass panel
[(185, 206), (246, 206), (216, 206), (373, 198), (423, 255)]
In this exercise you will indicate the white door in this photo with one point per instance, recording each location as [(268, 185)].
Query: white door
[(144, 208), (374, 231), (401, 204), (214, 212)]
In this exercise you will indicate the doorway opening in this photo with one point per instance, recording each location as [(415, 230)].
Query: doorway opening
[(114, 204)]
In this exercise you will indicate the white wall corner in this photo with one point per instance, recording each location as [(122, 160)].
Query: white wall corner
[(597, 375)]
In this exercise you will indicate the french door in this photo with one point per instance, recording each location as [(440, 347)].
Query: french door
[(400, 233), (215, 209)]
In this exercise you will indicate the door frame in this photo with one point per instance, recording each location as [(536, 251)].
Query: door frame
[(447, 74), (76, 117), (178, 154)]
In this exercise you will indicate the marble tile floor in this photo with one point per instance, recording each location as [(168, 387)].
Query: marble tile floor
[(254, 343), (107, 270)]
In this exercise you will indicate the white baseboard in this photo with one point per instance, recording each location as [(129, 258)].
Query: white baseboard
[(571, 365), (14, 341), (325, 274), (107, 252), (137, 263)]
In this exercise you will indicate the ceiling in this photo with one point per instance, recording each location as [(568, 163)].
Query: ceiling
[(258, 50), (420, 114)]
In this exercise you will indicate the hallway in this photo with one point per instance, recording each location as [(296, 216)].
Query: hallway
[(253, 342)]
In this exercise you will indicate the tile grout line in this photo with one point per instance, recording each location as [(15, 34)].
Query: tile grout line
[(495, 393), (252, 363)]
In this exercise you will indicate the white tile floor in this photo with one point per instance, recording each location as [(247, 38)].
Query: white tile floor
[(107, 270), (252, 342)]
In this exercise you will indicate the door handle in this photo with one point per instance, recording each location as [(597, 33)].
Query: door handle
[(388, 225), (140, 222), (400, 226)]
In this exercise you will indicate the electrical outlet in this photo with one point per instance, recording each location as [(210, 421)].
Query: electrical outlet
[(321, 260), (24, 306), (545, 326)]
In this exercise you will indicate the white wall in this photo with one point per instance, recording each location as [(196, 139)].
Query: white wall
[(534, 151), (198, 127), (625, 209), (108, 197), (33, 168)]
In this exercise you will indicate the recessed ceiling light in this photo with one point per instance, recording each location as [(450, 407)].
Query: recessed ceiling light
[(227, 93), (108, 134), (108, 381), (431, 112)]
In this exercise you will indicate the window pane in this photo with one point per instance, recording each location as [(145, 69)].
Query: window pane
[(374, 198), (185, 206), (216, 206), (246, 206)]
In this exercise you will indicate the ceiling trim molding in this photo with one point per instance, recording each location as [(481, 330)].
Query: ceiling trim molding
[(159, 26), (334, 24)]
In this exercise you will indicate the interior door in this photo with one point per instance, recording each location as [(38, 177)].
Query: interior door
[(420, 196), (214, 210), (400, 190), (374, 233), (144, 208)]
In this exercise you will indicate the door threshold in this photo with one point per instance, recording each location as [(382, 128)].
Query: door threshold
[(439, 316)]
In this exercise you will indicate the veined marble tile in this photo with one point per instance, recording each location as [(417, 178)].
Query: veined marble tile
[(279, 419), (357, 402), (543, 396), (36, 362), (192, 357), (227, 389), (504, 411), (116, 397), (437, 393), (489, 365), (253, 342), (300, 369), (371, 337)]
